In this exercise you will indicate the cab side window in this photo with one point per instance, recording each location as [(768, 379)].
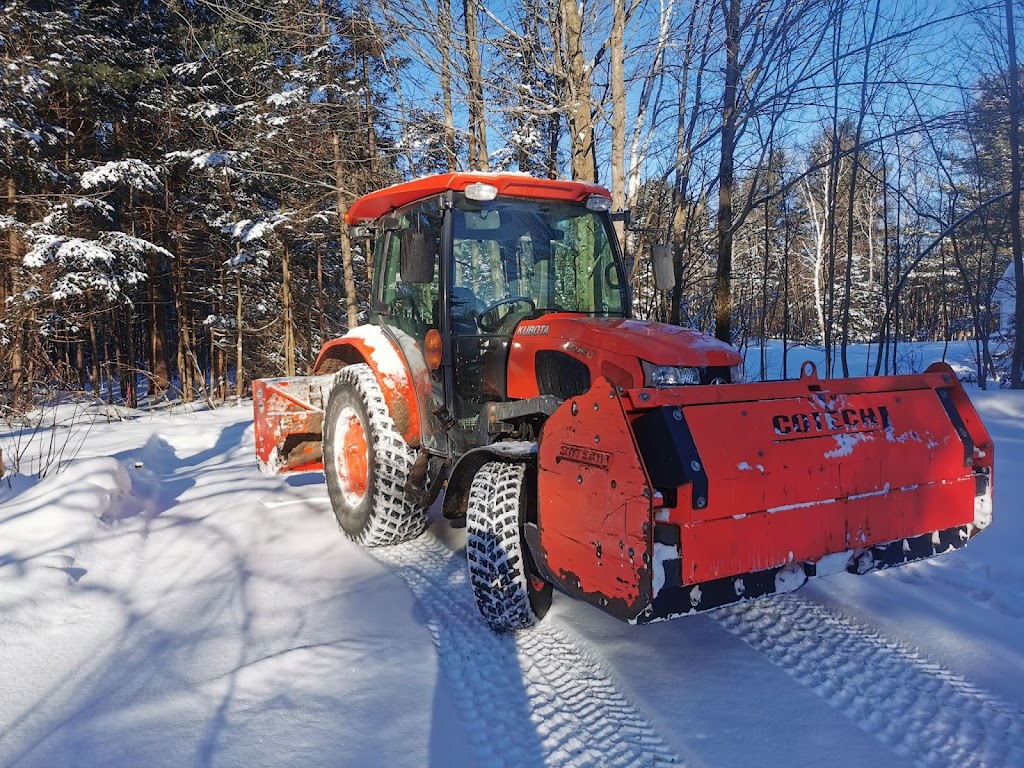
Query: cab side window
[(411, 269)]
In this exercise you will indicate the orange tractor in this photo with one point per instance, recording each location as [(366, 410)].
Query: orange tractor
[(619, 460)]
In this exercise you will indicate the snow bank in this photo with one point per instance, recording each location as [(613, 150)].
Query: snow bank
[(162, 603)]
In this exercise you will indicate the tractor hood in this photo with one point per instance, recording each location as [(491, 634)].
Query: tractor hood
[(561, 345)]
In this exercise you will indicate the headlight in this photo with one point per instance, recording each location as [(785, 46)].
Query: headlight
[(736, 373), (669, 375)]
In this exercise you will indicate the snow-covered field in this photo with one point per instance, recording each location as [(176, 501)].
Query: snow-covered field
[(163, 604)]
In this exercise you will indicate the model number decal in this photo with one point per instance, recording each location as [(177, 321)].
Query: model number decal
[(577, 349), (581, 455)]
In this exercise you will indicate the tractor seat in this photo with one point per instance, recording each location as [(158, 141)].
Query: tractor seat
[(465, 310)]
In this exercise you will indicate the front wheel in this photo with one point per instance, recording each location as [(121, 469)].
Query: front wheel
[(367, 463), (508, 595)]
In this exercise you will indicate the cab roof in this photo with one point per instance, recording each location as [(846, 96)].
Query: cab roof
[(379, 203)]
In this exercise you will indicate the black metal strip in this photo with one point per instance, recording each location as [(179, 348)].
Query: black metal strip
[(958, 424), (672, 602), (670, 454)]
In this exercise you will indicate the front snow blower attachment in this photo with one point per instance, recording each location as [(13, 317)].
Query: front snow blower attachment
[(289, 416), (655, 503)]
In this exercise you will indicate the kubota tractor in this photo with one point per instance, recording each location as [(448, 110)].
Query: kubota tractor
[(619, 460)]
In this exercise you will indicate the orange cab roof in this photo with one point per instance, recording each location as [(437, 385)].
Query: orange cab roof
[(377, 204)]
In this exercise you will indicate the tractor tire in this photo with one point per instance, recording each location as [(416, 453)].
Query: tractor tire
[(367, 463), (508, 595)]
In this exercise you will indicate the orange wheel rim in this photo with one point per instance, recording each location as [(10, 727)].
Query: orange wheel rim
[(352, 457)]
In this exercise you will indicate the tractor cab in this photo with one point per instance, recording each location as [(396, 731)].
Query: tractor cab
[(466, 266)]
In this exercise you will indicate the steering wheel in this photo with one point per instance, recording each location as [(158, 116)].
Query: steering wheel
[(488, 326)]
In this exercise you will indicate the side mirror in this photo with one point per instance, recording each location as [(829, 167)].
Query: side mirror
[(661, 263), (418, 257)]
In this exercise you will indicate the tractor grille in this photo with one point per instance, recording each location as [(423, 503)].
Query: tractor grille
[(561, 375)]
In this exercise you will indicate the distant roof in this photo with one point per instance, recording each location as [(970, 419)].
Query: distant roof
[(377, 204)]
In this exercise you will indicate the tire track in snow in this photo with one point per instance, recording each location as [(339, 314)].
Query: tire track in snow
[(914, 706), (536, 697)]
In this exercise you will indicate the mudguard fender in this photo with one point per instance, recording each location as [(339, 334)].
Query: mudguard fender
[(456, 497), (406, 387)]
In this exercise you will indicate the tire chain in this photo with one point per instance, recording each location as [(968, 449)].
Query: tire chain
[(536, 697), (493, 548), (916, 707), (394, 518)]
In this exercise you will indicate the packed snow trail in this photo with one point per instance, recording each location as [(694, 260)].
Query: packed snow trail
[(538, 697), (914, 706)]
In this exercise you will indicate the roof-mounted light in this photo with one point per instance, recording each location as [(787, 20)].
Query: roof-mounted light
[(598, 203), (481, 192)]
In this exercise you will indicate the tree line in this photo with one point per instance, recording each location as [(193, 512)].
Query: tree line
[(174, 175)]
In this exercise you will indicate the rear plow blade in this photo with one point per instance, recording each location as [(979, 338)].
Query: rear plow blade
[(655, 503), (288, 418)]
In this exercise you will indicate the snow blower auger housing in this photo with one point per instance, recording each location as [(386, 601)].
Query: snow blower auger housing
[(618, 460)]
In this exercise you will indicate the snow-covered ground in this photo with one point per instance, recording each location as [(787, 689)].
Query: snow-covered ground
[(164, 604)]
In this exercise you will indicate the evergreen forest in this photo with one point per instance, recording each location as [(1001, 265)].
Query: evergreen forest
[(174, 174)]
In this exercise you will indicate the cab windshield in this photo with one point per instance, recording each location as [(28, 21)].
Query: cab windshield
[(559, 256)]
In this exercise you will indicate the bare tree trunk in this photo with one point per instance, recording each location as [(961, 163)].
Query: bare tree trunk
[(159, 361), (444, 20), (685, 127), (642, 134), (113, 372), (128, 363), (215, 370), (80, 363), (369, 124), (830, 208), (17, 368), (850, 218), (887, 293), (576, 86), (7, 287), (239, 373), (477, 118), (7, 269), (618, 93), (351, 304), (763, 329), (322, 327), (723, 273), (1017, 363), (94, 353), (287, 318), (785, 290), (185, 355)]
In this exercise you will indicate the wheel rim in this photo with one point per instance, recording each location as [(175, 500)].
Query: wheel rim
[(352, 457)]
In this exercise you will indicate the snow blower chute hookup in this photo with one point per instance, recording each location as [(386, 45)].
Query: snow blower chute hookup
[(619, 460)]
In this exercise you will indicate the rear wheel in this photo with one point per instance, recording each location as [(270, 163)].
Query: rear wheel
[(367, 463), (508, 595)]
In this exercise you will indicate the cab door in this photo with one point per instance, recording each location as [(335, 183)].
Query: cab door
[(491, 291), (406, 304)]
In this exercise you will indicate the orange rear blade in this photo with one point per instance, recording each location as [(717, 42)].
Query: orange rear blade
[(721, 489)]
